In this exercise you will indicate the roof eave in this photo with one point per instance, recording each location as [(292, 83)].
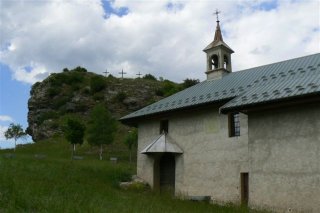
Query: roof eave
[(133, 121), (276, 103)]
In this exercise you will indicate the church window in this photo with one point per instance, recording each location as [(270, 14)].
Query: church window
[(234, 124), (164, 126)]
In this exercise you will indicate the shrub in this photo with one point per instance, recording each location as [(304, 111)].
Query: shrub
[(53, 91), (159, 92), (190, 82), (73, 78), (149, 77), (34, 86), (57, 79), (98, 96), (97, 83), (47, 115), (79, 69), (121, 96), (60, 101), (168, 88)]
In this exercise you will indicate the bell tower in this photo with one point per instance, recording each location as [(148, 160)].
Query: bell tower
[(218, 55)]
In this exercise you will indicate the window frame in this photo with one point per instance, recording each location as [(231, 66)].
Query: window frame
[(234, 124), (164, 126)]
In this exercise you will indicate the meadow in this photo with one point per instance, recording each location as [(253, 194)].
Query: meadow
[(42, 178)]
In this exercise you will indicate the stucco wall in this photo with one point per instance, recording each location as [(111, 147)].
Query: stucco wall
[(211, 163), (284, 150)]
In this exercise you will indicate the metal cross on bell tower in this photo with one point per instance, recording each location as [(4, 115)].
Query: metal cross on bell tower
[(217, 14)]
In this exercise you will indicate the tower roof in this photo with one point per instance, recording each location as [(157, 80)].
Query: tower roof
[(217, 34), (218, 40)]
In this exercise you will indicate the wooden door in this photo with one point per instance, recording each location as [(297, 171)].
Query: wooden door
[(244, 179), (167, 173)]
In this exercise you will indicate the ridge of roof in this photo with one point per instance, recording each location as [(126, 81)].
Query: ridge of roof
[(274, 63)]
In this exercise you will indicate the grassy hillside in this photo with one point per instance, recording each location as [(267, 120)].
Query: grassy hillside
[(41, 177)]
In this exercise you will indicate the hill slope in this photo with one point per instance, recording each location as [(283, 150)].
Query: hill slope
[(75, 92)]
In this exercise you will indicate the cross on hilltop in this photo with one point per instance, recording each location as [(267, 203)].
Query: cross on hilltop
[(122, 73), (139, 74), (106, 72)]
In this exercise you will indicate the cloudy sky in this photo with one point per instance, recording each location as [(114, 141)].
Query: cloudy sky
[(161, 37)]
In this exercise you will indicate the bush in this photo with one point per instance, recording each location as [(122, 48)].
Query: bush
[(121, 96), (189, 82), (159, 92), (73, 78), (168, 88), (47, 115), (79, 69), (53, 91), (97, 83), (60, 101), (98, 96), (149, 77), (34, 86), (56, 79)]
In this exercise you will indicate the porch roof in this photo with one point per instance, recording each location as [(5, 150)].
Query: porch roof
[(162, 144)]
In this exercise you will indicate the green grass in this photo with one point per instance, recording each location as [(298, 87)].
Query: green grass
[(58, 184)]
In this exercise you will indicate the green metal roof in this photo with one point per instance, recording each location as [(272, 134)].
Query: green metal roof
[(290, 88), (249, 86)]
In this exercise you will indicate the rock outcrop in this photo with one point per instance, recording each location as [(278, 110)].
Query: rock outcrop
[(76, 92)]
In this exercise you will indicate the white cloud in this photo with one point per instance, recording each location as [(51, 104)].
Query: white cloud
[(5, 118), (45, 36)]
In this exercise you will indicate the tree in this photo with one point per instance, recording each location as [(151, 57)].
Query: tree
[(190, 82), (74, 132), (101, 127), (131, 140), (14, 131)]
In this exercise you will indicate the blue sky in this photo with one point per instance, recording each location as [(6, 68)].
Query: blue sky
[(14, 97), (164, 38)]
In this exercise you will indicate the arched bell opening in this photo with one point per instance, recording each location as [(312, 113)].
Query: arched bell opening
[(225, 62), (214, 62)]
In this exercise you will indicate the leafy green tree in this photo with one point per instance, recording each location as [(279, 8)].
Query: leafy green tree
[(14, 131), (131, 141), (74, 132), (101, 127)]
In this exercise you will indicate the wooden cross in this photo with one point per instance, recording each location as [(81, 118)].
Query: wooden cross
[(122, 73), (217, 14), (139, 74), (106, 72)]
